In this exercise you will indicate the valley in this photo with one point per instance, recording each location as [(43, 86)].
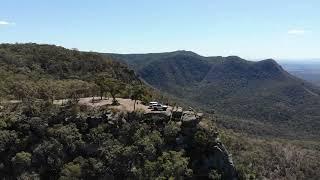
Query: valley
[(257, 95)]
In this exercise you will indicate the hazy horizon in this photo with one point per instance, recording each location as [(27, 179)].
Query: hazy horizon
[(282, 60), (287, 29)]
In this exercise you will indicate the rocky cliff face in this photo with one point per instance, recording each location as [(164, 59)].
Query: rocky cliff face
[(202, 144), (213, 155)]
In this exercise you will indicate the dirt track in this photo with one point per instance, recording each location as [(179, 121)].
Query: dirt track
[(125, 104)]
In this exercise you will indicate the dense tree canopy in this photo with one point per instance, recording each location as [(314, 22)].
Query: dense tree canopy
[(61, 143)]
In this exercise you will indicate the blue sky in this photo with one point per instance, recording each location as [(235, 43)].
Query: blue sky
[(255, 29)]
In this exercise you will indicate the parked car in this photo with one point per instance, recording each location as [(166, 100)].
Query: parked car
[(160, 107), (151, 104)]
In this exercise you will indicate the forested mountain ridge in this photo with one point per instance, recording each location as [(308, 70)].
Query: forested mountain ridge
[(258, 92), (40, 70), (58, 62)]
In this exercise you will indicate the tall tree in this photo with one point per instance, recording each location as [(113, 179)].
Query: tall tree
[(114, 87), (137, 93), (100, 81)]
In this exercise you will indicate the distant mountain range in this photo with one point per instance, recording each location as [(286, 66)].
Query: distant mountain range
[(259, 96)]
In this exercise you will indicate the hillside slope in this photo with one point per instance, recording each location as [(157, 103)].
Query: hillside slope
[(58, 62), (257, 92), (34, 70)]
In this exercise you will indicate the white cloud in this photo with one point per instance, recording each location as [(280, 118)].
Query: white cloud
[(4, 23), (297, 32)]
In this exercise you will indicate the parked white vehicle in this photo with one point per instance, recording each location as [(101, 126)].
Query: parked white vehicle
[(160, 107), (157, 106), (151, 104)]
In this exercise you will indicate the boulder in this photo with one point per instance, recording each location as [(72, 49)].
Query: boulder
[(190, 119), (177, 112)]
